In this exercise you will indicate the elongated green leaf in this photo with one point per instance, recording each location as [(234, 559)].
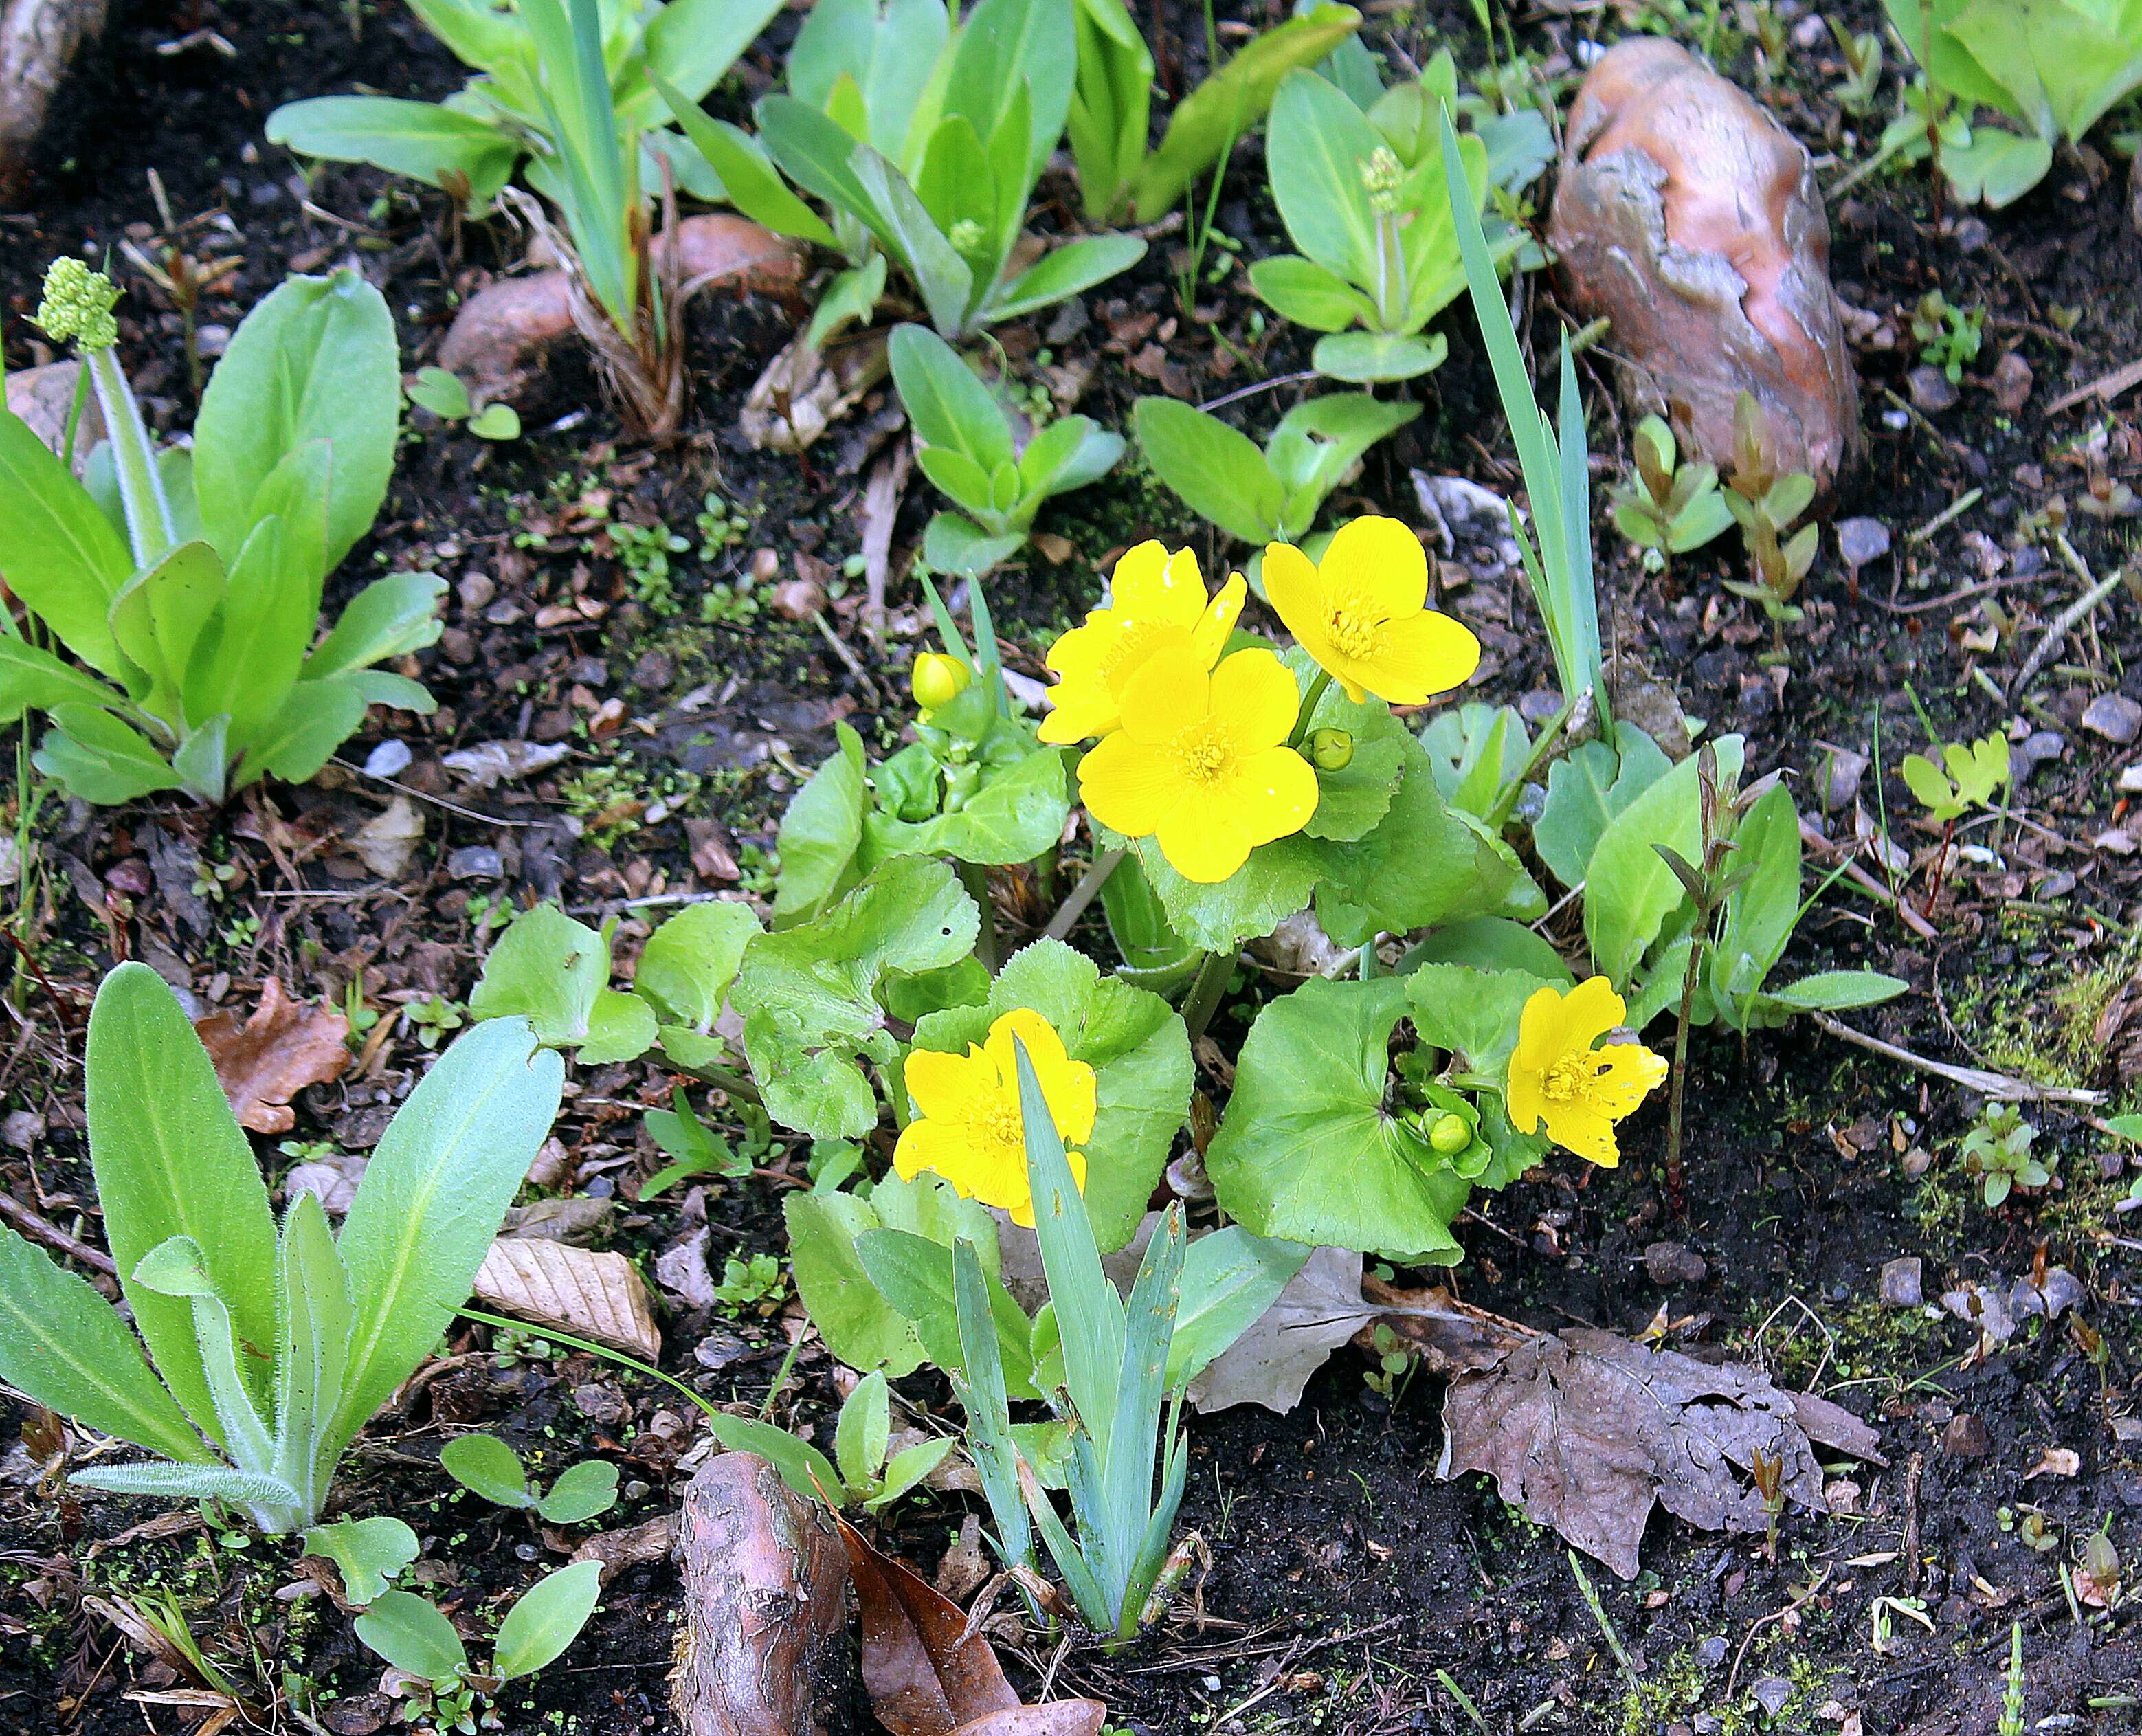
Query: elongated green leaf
[(820, 833), (169, 1160), (980, 1385), (863, 1431), (1229, 1278), (1218, 471), (174, 1268), (389, 617), (1127, 1472), (886, 47), (1319, 143), (413, 1636), (32, 678), (315, 718), (65, 1346), (252, 649), (692, 43), (426, 141), (1233, 100), (749, 181), (949, 406), (805, 1469), (92, 754), (58, 552), (547, 1618), (1065, 272), (158, 616), (910, 235), (431, 1199), (484, 1463), (1629, 890), (189, 1482), (368, 1552), (317, 360)]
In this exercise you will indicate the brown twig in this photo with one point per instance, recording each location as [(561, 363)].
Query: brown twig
[(52, 1237)]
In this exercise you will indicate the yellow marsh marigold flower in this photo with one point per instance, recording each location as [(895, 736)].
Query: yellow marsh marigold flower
[(968, 1127), (1200, 760), (1361, 612), (1155, 599), (1558, 1077)]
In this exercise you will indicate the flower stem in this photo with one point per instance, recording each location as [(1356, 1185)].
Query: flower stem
[(1088, 888), (1310, 701), (975, 878), (1206, 988)]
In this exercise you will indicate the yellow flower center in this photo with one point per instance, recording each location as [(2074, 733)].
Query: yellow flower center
[(1355, 627), (1568, 1079), (998, 1129), (1205, 753)]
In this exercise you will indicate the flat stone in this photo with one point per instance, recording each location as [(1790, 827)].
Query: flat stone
[(1966, 1438), (1669, 1263), (1860, 540), (1901, 1285), (475, 861), (1932, 389), (1771, 1694), (43, 397), (2114, 716)]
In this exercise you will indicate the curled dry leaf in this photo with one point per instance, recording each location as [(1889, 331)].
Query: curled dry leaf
[(1318, 1311), (285, 1046), (1690, 218), (926, 1675), (631, 1546), (1585, 1430), (385, 842), (593, 1294), (487, 764), (803, 392), (765, 1604)]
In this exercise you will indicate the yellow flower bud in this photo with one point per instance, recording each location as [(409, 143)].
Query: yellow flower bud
[(1331, 749), (1450, 1134), (936, 680)]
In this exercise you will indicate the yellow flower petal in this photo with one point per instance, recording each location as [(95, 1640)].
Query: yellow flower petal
[(1149, 584), (1203, 845), (1523, 1099), (1210, 635), (1170, 691), (1254, 699), (1421, 655), (1627, 1073), (1584, 1132), (1128, 786), (1378, 561), (937, 1083), (1297, 596), (1592, 1009), (1276, 792), (1067, 1087)]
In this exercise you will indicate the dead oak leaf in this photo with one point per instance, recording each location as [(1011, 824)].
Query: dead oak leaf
[(284, 1047), (595, 1294), (1585, 1432), (926, 1676)]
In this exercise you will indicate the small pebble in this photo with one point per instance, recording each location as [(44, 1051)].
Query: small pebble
[(1932, 389), (2114, 716), (1902, 1284), (1860, 540), (1771, 1694), (1966, 1438), (1711, 1653), (389, 759), (475, 861), (1670, 1263)]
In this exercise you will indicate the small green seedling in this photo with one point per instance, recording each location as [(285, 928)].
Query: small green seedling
[(694, 1148), (1766, 501), (1970, 776), (965, 445), (751, 1283), (1862, 54), (861, 1474), (487, 1466), (367, 1552), (416, 1637), (1997, 1152), (1667, 508), (444, 395), (1949, 336), (1270, 494)]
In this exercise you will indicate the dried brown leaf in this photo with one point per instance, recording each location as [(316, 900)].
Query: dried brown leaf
[(1058, 1718), (596, 1295), (284, 1047), (1585, 1430), (386, 842), (926, 1676), (1318, 1311)]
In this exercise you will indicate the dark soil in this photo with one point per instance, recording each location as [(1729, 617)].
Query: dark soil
[(1349, 1590)]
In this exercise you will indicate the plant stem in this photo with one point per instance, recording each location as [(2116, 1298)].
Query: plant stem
[(1310, 700), (975, 878), (1681, 1075), (1206, 988), (1088, 889)]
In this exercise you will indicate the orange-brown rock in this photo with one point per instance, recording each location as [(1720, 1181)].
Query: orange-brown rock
[(1687, 216)]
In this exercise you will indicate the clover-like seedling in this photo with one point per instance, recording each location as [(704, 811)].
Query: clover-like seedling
[(1997, 1152), (440, 1687), (445, 397), (1667, 508), (1969, 777), (861, 1440), (367, 1552), (487, 1466)]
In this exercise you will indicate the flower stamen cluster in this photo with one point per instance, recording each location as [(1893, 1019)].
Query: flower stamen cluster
[(78, 305)]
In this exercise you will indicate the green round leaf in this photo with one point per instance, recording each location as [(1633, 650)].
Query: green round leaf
[(1309, 1152), (413, 1636), (547, 1618), (581, 1491), (484, 1463)]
